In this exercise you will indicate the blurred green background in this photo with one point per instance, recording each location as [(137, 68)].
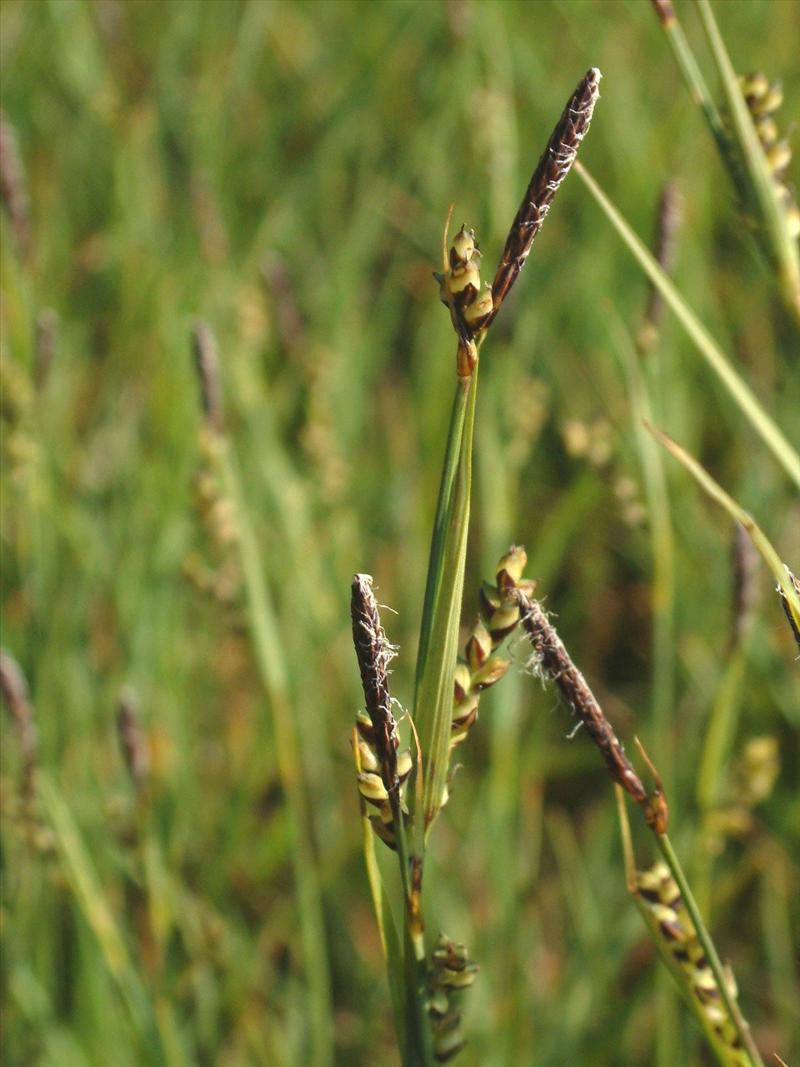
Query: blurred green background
[(283, 170)]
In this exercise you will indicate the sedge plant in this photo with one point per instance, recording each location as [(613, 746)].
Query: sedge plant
[(409, 789)]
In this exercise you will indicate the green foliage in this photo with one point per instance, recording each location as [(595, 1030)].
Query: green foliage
[(283, 170)]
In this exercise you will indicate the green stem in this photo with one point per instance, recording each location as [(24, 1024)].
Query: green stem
[(695, 82), (433, 696), (730, 1002)]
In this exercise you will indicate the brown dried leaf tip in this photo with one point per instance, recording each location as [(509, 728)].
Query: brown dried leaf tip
[(551, 170), (206, 360), (13, 185), (382, 770), (15, 693), (552, 657), (787, 609), (665, 11), (132, 740), (668, 223)]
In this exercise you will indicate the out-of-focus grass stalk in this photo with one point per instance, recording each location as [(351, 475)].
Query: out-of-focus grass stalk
[(662, 548), (758, 418), (684, 57), (780, 940), (268, 650), (791, 598), (760, 188), (716, 750), (271, 662), (85, 884), (724, 717)]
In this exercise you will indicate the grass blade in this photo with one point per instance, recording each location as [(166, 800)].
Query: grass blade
[(433, 698), (758, 418), (768, 553)]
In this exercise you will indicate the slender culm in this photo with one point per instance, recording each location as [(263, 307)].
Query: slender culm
[(551, 170), (206, 358), (555, 660), (374, 654)]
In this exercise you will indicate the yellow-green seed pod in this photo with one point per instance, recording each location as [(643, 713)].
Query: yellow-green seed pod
[(510, 568), (793, 220), (468, 274), (448, 1037), (480, 307), (368, 757), (478, 647), (438, 1003), (371, 788), (755, 84), (490, 600), (502, 622), (492, 671), (463, 247), (769, 102), (460, 979), (779, 156), (461, 726), (767, 130), (365, 727), (462, 681), (404, 764)]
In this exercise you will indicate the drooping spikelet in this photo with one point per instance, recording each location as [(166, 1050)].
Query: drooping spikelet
[(450, 971), (381, 768), (552, 658), (677, 940), (763, 99)]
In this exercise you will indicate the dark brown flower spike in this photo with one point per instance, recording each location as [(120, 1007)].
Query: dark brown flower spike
[(374, 654), (551, 170), (555, 661)]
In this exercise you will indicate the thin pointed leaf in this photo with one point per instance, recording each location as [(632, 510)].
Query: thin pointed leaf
[(736, 512), (758, 418)]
